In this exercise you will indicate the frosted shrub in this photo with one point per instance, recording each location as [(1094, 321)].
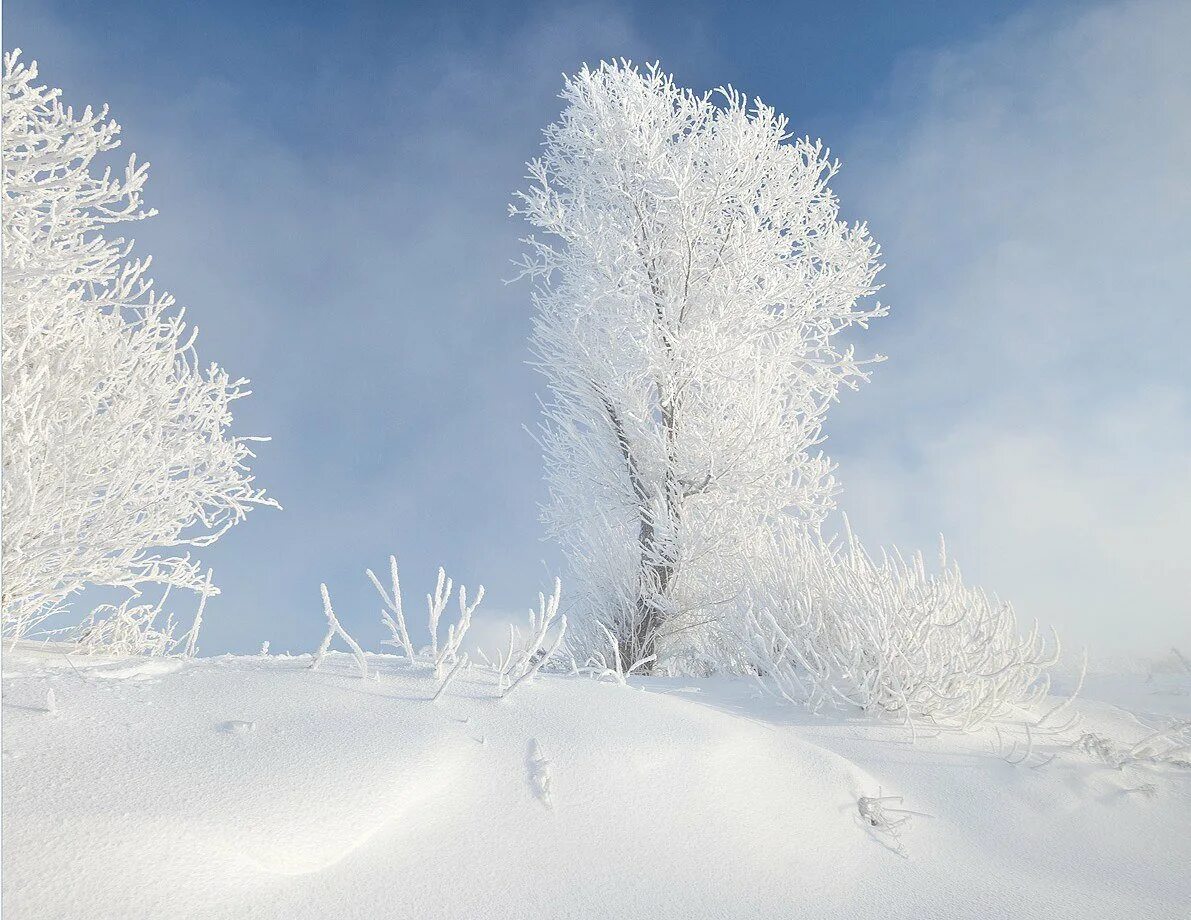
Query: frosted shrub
[(127, 628), (441, 655), (830, 623), (525, 658), (394, 616), (117, 454)]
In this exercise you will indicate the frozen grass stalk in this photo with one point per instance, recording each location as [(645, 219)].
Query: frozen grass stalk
[(333, 627), (399, 634), (459, 665)]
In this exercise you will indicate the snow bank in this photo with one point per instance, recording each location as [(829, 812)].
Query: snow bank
[(358, 798)]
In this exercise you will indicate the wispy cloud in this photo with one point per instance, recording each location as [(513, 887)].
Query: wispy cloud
[(1031, 191)]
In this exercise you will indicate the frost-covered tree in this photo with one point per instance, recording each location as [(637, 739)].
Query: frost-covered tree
[(692, 284), (116, 450)]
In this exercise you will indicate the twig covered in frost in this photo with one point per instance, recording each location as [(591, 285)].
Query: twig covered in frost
[(192, 636), (437, 603), (333, 627), (1170, 746), (598, 667), (394, 617), (523, 662), (51, 701), (456, 631), (450, 677), (399, 638), (126, 629), (876, 814), (533, 669), (521, 655), (1013, 753)]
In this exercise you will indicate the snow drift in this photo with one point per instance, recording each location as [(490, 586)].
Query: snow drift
[(236, 787)]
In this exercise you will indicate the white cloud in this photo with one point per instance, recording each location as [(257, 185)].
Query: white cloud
[(1033, 196)]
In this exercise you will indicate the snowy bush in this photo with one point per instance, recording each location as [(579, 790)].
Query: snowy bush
[(830, 623), (127, 628), (691, 289), (526, 656), (441, 655), (116, 446)]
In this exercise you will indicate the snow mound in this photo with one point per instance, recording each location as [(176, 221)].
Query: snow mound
[(237, 787)]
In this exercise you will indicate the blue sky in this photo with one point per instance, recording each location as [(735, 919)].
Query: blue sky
[(332, 181)]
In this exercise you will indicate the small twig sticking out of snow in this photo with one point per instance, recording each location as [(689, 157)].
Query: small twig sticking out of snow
[(523, 662), (456, 631), (265, 648), (1145, 749), (438, 603), (1169, 746), (547, 610), (1012, 755), (537, 665), (875, 813), (597, 665), (51, 702), (395, 623), (333, 627), (192, 637), (450, 677), (1061, 707), (540, 774)]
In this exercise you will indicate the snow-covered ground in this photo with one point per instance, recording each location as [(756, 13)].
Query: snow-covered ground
[(255, 787)]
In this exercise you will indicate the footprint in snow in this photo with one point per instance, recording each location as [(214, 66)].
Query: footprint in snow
[(237, 727), (540, 774)]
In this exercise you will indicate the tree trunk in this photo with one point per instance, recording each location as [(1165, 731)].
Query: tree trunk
[(657, 564)]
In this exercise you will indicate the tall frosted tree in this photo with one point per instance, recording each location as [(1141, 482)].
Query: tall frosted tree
[(116, 452), (692, 282)]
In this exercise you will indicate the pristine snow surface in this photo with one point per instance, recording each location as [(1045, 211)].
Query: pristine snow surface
[(255, 787)]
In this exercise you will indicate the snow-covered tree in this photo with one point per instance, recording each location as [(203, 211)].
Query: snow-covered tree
[(692, 286), (116, 450)]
